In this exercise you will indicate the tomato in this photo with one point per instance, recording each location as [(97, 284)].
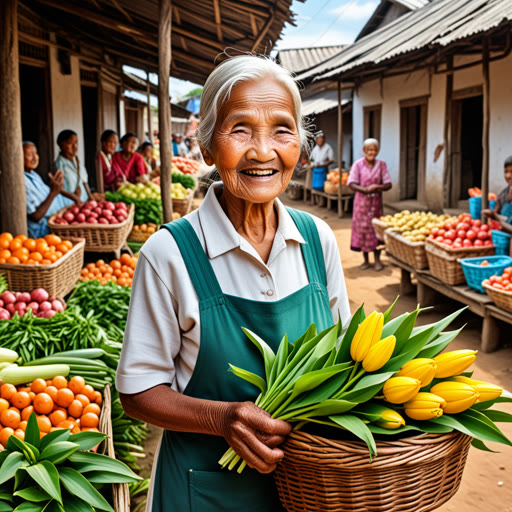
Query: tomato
[(460, 226), (505, 282), (487, 243), (457, 245), (508, 288), (492, 279), (467, 243), (442, 232), (477, 223), (448, 241), (461, 234), (470, 235), (482, 235), (498, 286), (478, 243), (439, 239), (451, 235), (485, 227), (435, 231), (431, 237)]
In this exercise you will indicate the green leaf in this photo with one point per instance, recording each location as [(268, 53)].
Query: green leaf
[(480, 406), (481, 446), (46, 476), (280, 360), (90, 461), (440, 326), (403, 332), (53, 437), (250, 377), (87, 440), (30, 507), (392, 326), (358, 428), (32, 435), (387, 314), (76, 505), (367, 387), (437, 346), (12, 463), (33, 494), (5, 507), (307, 336), (53, 506), (59, 452), (107, 477), (498, 416), (265, 350), (30, 452), (375, 429), (326, 390), (312, 380), (325, 408), (346, 340), (78, 485)]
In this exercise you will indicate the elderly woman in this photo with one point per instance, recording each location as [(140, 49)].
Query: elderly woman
[(241, 259), (127, 163), (105, 175), (368, 177)]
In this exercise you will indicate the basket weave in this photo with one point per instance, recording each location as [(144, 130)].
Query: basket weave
[(501, 298), (58, 279), (331, 188), (412, 253), (415, 474), (443, 264), (139, 236), (183, 206), (380, 227), (98, 237)]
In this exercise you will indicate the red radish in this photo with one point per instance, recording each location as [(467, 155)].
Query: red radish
[(57, 306), (75, 210), (34, 306), (75, 222), (8, 298), (97, 210), (39, 295), (121, 206), (20, 306), (113, 220), (102, 220), (24, 297), (69, 216), (45, 306), (86, 211), (4, 314), (92, 220), (94, 215), (10, 308), (107, 213), (80, 218)]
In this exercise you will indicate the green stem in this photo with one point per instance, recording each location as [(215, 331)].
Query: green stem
[(351, 378), (351, 381)]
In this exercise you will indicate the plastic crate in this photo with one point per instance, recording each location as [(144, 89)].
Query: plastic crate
[(475, 206), (501, 241), (475, 273)]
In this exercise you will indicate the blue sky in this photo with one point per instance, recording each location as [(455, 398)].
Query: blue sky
[(319, 23)]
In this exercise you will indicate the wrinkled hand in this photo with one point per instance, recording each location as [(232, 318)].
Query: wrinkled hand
[(56, 181), (255, 435)]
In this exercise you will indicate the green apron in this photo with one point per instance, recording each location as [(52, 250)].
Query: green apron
[(188, 476)]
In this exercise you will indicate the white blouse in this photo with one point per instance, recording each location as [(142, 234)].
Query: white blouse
[(162, 336)]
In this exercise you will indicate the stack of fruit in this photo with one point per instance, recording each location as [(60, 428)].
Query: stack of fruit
[(39, 302), (502, 282), (29, 251), (186, 165), (151, 190), (93, 212), (119, 271), (415, 226), (462, 232)]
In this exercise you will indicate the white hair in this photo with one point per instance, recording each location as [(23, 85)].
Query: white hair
[(221, 81), (371, 142)]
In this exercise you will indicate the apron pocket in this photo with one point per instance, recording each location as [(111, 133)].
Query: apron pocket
[(214, 491)]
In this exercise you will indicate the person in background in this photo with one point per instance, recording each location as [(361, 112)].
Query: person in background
[(105, 175), (146, 150), (175, 151), (76, 179), (42, 200), (128, 163), (195, 151), (321, 157), (502, 212), (182, 146), (368, 177)]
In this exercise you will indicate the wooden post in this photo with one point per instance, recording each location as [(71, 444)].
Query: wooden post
[(447, 170), (148, 92), (13, 206), (164, 106), (340, 148), (486, 123)]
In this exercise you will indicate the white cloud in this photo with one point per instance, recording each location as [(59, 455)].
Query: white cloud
[(354, 11), (331, 37)]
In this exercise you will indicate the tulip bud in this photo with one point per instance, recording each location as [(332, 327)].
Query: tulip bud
[(486, 390), (390, 419), (422, 369), (379, 354), (453, 363), (399, 390), (368, 333), (458, 395), (425, 406)]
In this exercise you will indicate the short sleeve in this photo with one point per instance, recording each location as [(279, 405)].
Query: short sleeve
[(141, 165), (152, 337), (354, 176), (330, 153), (384, 173), (32, 198)]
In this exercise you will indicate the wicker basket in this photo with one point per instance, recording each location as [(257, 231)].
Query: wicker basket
[(415, 474), (98, 237), (183, 206), (443, 264), (139, 236), (380, 227), (501, 298), (58, 279), (331, 188), (412, 253)]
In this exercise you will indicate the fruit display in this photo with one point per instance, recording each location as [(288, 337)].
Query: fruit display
[(178, 177), (415, 226), (186, 165), (29, 251), (334, 177), (151, 190), (119, 271), (462, 232), (146, 210), (92, 212), (38, 301), (502, 282)]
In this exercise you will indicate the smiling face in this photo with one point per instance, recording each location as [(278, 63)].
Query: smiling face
[(69, 147), (30, 157), (109, 146), (371, 152), (508, 174), (256, 144), (148, 151), (129, 145)]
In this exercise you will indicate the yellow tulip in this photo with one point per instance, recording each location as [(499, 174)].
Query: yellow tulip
[(368, 333), (425, 406), (422, 369), (452, 363), (486, 390), (390, 419), (459, 396), (379, 354), (399, 390)]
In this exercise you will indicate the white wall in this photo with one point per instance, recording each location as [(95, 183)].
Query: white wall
[(66, 101)]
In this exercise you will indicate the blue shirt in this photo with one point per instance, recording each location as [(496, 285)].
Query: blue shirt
[(175, 151), (37, 191), (73, 178)]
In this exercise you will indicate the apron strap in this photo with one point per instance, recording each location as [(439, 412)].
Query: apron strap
[(197, 263), (312, 249)]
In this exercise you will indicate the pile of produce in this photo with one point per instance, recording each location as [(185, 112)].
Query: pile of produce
[(334, 177), (415, 226), (93, 212), (146, 210), (177, 177), (29, 251), (186, 165), (503, 282), (462, 232), (151, 190), (56, 472), (38, 301), (366, 379), (119, 271), (145, 228)]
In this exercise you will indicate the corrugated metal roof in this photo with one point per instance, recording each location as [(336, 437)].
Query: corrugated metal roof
[(301, 59), (321, 102), (439, 23), (412, 4)]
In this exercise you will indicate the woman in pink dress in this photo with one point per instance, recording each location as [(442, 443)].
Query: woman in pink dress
[(129, 164), (369, 177), (105, 175)]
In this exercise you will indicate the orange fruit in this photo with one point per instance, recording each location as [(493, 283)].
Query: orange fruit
[(76, 384), (94, 408), (30, 261), (67, 424), (125, 258), (5, 433), (75, 409), (4, 243), (43, 403), (89, 420), (30, 244), (7, 390), (23, 388), (25, 414), (36, 256), (5, 254), (21, 238), (83, 399), (13, 260), (122, 281), (115, 264), (52, 391), (99, 263), (63, 248), (76, 429), (68, 244), (38, 385), (98, 399), (88, 391), (32, 395), (58, 416), (65, 397), (45, 425), (21, 254), (49, 382), (21, 399), (7, 236), (15, 244), (53, 239), (60, 382), (46, 262), (20, 434), (89, 429), (10, 418), (23, 425), (4, 405)]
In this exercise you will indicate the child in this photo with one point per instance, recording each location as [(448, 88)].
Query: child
[(503, 209)]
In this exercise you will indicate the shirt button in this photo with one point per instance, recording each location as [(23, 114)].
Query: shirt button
[(270, 293), (263, 275)]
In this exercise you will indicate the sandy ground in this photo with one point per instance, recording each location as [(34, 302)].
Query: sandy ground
[(487, 480)]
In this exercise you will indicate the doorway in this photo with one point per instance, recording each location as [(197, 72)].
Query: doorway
[(91, 138)]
